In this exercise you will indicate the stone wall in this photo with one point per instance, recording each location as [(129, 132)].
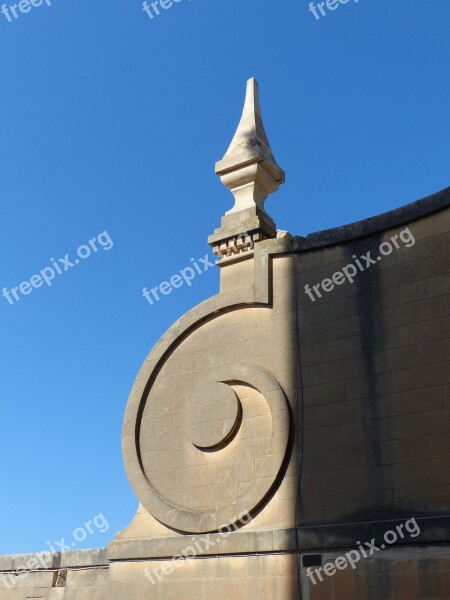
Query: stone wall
[(375, 360), (270, 434)]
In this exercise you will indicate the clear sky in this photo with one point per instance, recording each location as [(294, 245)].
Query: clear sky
[(111, 122)]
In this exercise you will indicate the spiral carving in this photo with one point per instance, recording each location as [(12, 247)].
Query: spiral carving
[(205, 439)]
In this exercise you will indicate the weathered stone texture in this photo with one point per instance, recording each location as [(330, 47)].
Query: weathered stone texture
[(376, 370)]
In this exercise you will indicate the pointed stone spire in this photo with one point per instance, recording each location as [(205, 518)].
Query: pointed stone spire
[(251, 172)]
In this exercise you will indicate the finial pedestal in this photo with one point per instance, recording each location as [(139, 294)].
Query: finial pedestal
[(250, 172)]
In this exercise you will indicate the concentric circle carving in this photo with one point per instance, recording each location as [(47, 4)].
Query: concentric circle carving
[(204, 454)]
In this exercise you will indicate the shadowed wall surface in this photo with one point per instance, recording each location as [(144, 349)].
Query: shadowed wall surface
[(375, 366)]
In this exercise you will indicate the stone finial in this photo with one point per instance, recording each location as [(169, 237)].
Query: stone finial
[(251, 172)]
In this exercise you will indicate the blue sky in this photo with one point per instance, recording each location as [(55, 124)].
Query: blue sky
[(112, 121)]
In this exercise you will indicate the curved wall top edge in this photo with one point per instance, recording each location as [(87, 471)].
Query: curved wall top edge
[(382, 222)]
